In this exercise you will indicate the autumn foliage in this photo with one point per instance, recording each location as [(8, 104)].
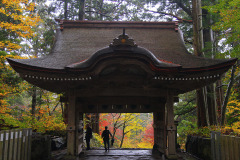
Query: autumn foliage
[(17, 19), (233, 106), (132, 130), (228, 24)]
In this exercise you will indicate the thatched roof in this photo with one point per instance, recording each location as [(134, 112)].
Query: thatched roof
[(80, 45), (79, 40)]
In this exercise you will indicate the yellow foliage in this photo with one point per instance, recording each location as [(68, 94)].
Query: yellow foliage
[(233, 106), (5, 88), (97, 140), (236, 127), (21, 11), (129, 143), (42, 121), (144, 145)]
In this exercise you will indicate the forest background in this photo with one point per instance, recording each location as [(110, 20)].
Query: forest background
[(210, 29)]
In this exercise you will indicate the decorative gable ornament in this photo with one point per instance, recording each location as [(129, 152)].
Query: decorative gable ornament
[(123, 40)]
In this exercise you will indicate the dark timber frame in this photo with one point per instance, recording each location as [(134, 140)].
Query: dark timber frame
[(128, 76)]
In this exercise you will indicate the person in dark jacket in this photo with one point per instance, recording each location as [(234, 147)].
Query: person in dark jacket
[(105, 136), (88, 136)]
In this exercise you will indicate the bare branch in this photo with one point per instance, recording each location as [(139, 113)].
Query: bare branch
[(187, 41), (117, 5), (221, 86), (170, 14), (235, 115), (102, 14), (181, 5), (55, 107)]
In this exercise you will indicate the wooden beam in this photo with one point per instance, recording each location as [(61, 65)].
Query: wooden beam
[(114, 92), (138, 100), (120, 108), (120, 104)]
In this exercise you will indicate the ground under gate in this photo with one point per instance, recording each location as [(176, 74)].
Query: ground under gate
[(118, 154)]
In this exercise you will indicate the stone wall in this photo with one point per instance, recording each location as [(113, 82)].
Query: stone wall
[(41, 147), (199, 147)]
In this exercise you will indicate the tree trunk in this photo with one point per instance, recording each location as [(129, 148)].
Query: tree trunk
[(123, 135), (201, 109), (65, 113), (197, 28), (198, 51), (116, 126), (226, 98), (34, 103), (34, 100), (81, 14), (101, 10), (211, 103), (208, 51), (94, 120), (219, 99), (90, 10), (66, 9)]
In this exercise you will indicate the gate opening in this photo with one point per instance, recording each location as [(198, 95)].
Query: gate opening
[(129, 130)]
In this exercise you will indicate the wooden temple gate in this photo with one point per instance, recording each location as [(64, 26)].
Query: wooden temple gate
[(122, 77), (161, 107)]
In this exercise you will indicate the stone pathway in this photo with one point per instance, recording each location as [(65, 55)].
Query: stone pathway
[(121, 155), (118, 154)]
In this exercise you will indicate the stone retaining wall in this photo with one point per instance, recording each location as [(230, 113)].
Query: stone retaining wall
[(199, 147), (41, 147)]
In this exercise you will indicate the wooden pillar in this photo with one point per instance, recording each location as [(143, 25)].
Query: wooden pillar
[(159, 130), (79, 130), (171, 128), (155, 125), (71, 128)]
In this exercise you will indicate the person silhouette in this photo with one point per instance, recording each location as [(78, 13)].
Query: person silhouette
[(88, 136), (105, 136)]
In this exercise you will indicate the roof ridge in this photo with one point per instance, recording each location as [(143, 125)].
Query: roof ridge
[(117, 24)]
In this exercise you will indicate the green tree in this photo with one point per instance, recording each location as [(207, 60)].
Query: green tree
[(228, 27)]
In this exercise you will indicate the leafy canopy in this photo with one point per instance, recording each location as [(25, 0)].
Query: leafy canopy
[(17, 20), (229, 24)]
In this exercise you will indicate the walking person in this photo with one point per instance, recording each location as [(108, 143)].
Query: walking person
[(88, 136), (105, 136)]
